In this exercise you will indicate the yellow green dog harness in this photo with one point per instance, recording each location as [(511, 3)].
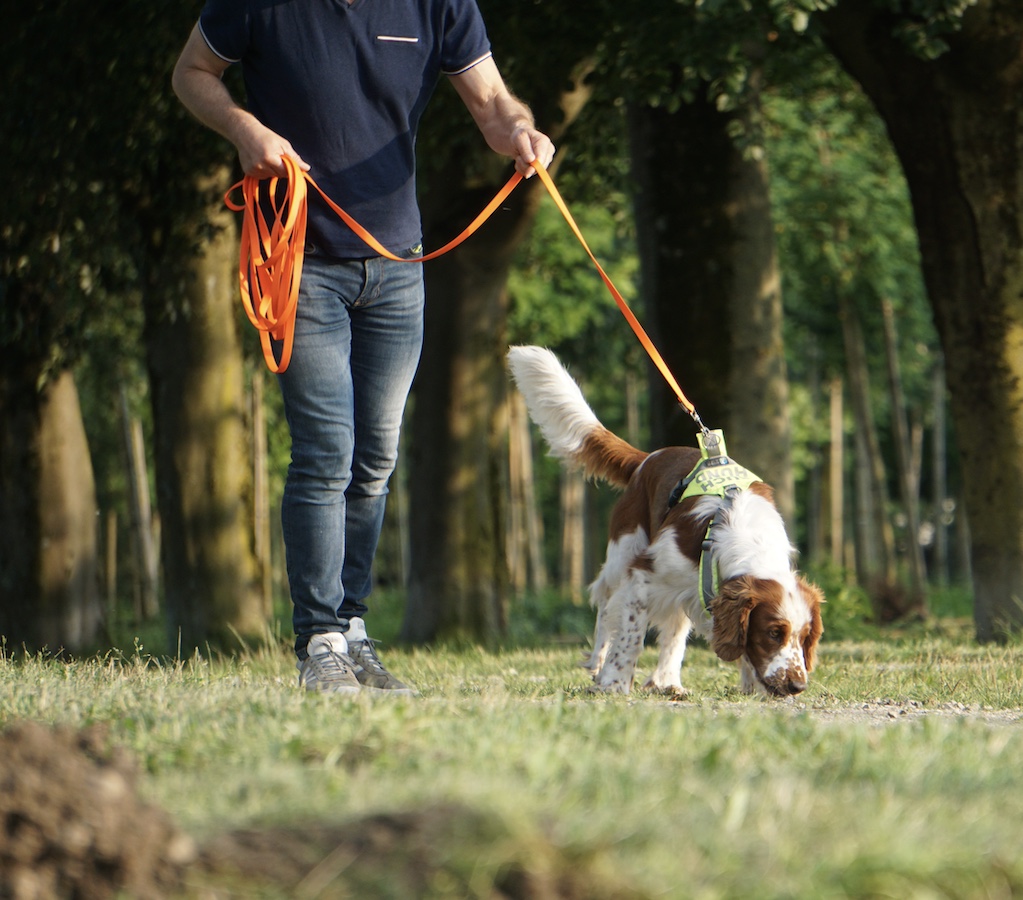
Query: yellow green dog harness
[(715, 474)]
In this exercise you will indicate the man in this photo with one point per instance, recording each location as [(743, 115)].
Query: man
[(340, 85)]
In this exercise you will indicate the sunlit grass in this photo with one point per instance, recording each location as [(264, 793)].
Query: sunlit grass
[(719, 796)]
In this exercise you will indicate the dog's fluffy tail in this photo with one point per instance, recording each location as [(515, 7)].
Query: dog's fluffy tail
[(565, 419)]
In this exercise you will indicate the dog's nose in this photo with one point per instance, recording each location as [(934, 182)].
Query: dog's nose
[(796, 686)]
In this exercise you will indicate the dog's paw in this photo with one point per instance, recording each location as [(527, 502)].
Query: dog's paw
[(674, 691), (613, 687)]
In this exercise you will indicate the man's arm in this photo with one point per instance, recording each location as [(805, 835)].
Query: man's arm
[(505, 121), (197, 81)]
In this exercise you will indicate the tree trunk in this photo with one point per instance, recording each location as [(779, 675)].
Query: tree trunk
[(203, 459), (143, 544), (573, 535), (458, 576), (261, 495), (525, 530), (458, 450), (941, 511), (836, 475), (908, 484), (70, 609), (955, 124), (49, 569), (20, 536), (877, 570), (712, 287)]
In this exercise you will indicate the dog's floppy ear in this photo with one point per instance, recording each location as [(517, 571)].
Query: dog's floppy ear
[(730, 610), (814, 597)]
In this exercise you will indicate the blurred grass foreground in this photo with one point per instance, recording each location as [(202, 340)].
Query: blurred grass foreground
[(894, 775)]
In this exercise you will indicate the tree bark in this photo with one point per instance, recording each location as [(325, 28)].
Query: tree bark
[(143, 542), (712, 286), (203, 457), (458, 575), (458, 578), (836, 475), (49, 568), (908, 482), (875, 543), (70, 610), (19, 503), (955, 123)]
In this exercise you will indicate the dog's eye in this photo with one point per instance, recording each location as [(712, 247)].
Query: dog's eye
[(777, 634)]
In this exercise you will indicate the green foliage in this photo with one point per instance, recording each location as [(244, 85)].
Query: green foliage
[(90, 128), (843, 219)]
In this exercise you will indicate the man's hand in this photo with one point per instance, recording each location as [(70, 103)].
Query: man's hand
[(261, 150), (504, 120), (528, 145)]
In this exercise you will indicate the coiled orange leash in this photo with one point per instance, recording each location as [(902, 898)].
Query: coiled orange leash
[(271, 256), (271, 253)]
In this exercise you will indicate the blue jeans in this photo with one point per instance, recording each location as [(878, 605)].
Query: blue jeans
[(358, 339)]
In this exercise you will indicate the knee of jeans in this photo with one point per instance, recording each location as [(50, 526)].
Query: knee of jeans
[(331, 468), (371, 480)]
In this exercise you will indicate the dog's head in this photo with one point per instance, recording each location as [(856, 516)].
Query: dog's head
[(773, 629)]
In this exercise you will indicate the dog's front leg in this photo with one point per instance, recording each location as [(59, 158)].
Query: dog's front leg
[(601, 633), (748, 682), (628, 607), (674, 632)]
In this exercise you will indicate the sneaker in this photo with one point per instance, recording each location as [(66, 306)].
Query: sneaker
[(369, 671), (328, 667)]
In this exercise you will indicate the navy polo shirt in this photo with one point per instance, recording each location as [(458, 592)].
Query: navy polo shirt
[(347, 84)]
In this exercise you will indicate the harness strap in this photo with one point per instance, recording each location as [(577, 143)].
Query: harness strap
[(709, 574), (710, 571)]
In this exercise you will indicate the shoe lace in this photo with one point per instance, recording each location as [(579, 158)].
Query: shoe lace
[(329, 664), (366, 656)]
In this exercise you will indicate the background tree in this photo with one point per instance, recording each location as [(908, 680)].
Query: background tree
[(52, 248), (703, 211), (946, 81), (458, 576), (846, 241), (115, 207)]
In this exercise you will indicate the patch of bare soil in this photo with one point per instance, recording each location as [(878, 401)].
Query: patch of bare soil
[(72, 827), (877, 711), (884, 711)]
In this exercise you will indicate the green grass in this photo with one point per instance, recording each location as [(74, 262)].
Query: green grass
[(895, 775)]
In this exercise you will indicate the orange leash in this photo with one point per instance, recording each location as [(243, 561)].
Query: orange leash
[(630, 317), (271, 253), (271, 257)]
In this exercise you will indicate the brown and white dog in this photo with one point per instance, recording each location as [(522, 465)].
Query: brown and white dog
[(764, 614)]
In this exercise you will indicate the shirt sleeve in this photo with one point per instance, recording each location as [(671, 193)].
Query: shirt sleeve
[(466, 42), (224, 25)]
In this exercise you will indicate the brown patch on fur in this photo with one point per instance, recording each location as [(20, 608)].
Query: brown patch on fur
[(645, 500), (642, 562), (814, 597), (731, 611), (768, 630), (762, 489), (606, 456)]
